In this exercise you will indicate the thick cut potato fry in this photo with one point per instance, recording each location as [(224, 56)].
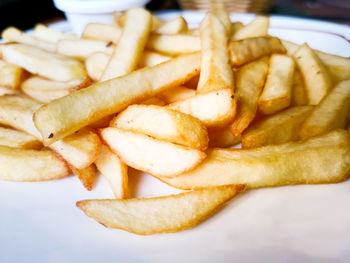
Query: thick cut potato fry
[(276, 94), (216, 71), (30, 165), (214, 109), (127, 53), (176, 94), (156, 157), (338, 67), (120, 18), (44, 90), (164, 214), (83, 48), (114, 170), (333, 112), (18, 139), (86, 176), (278, 128), (43, 63), (50, 34), (103, 32), (178, 25), (174, 44), (150, 59), (163, 123), (256, 28), (219, 10), (10, 75), (299, 96), (247, 50), (96, 64), (235, 26), (79, 150), (222, 138), (250, 80), (319, 160), (317, 79), (68, 114), (6, 91), (12, 34)]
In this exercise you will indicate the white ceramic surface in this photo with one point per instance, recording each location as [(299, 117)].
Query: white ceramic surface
[(307, 223), (81, 12)]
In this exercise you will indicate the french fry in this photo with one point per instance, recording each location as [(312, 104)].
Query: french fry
[(338, 67), (44, 90), (222, 138), (50, 34), (278, 128), (216, 71), (55, 120), (114, 170), (18, 139), (214, 109), (154, 101), (277, 91), (30, 165), (299, 96), (164, 214), (235, 26), (6, 91), (258, 27), (250, 80), (12, 34), (86, 176), (219, 10), (317, 80), (164, 124), (10, 75), (319, 160), (95, 65), (43, 63), (83, 48), (103, 32), (127, 53), (333, 112), (150, 59), (246, 50), (176, 94), (178, 25), (79, 150), (120, 18), (156, 157), (174, 45)]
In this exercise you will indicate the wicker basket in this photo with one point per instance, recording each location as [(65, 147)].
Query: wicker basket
[(238, 6)]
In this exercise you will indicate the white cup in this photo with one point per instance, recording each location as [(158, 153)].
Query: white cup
[(81, 12)]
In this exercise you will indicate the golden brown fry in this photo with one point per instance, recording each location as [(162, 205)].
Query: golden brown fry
[(86, 176), (156, 157), (178, 25), (258, 27), (127, 53), (219, 10), (95, 65), (250, 80), (30, 165), (164, 214), (56, 119), (278, 128), (223, 138), (10, 75), (299, 96), (114, 170), (176, 94), (43, 63), (317, 79), (103, 32), (216, 71), (277, 91), (319, 160), (150, 59), (51, 35), (18, 139), (333, 112), (250, 49), (164, 124), (214, 109)]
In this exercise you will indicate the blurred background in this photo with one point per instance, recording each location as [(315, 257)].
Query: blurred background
[(25, 14)]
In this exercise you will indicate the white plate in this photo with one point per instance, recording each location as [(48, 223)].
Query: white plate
[(308, 223)]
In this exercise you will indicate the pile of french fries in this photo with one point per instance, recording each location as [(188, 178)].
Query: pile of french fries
[(171, 101)]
